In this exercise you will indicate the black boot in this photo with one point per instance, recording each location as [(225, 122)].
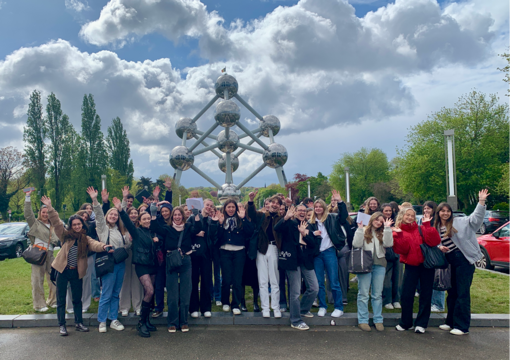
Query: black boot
[(143, 331), (150, 327), (243, 305), (256, 300)]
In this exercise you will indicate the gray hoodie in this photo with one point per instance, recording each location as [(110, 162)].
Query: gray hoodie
[(465, 237)]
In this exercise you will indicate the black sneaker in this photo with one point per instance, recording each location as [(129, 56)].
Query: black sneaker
[(81, 327), (63, 330)]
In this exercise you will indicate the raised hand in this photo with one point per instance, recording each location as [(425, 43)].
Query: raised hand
[(201, 233), (425, 218), (483, 194), (168, 183), (302, 227), (46, 200), (117, 203), (290, 213), (156, 192), (145, 200), (105, 195), (253, 194), (288, 202), (216, 216), (388, 222), (92, 193), (125, 192), (397, 230), (241, 212), (360, 225), (29, 192), (221, 217), (335, 196)]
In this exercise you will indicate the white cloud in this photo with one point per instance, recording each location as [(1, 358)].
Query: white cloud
[(77, 5)]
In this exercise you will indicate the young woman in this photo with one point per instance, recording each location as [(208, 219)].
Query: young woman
[(233, 233), (144, 259), (376, 237), (71, 264), (165, 212), (187, 212), (407, 238), (110, 230), (88, 208), (372, 205), (458, 242), (41, 235), (250, 273), (394, 269), (178, 280), (328, 226)]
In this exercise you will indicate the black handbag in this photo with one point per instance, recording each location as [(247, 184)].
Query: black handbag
[(120, 254), (443, 279), (53, 276), (390, 255), (174, 257), (433, 257), (360, 261), (35, 255), (104, 261)]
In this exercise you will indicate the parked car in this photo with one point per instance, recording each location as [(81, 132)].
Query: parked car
[(493, 219), (495, 248), (13, 239)]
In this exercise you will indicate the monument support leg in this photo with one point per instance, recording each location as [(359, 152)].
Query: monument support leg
[(281, 176)]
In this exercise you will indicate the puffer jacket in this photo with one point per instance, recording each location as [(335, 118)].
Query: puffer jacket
[(407, 242)]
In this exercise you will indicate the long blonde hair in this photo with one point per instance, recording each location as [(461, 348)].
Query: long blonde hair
[(324, 214), (370, 228), (119, 223), (400, 216)]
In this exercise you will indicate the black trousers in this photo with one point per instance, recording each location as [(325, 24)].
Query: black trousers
[(459, 296), (412, 275), (72, 277), (232, 265), (201, 272)]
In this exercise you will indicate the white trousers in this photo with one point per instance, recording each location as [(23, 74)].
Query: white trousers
[(267, 271)]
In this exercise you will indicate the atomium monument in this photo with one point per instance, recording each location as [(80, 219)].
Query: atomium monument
[(227, 115)]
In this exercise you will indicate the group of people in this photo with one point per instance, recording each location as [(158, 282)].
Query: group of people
[(207, 255)]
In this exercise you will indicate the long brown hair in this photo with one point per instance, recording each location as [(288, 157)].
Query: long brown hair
[(129, 211), (367, 205), (171, 219), (324, 214), (119, 223), (450, 230), (370, 228), (224, 212)]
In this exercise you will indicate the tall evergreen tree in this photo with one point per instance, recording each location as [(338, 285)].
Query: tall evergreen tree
[(34, 135), (59, 131), (119, 153), (79, 176)]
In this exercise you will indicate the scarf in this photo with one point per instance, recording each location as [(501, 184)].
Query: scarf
[(81, 237), (178, 227), (231, 223)]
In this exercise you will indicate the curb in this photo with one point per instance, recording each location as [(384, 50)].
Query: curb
[(248, 318)]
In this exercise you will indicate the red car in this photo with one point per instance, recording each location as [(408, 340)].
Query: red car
[(495, 248)]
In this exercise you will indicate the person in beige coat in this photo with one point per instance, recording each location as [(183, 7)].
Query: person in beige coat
[(42, 235)]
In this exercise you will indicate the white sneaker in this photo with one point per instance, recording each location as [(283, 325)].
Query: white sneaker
[(315, 303), (445, 327), (300, 326), (116, 325), (236, 311), (84, 310), (434, 308), (207, 314), (396, 305), (44, 309), (308, 315), (389, 306), (54, 306), (218, 303), (266, 314), (354, 279), (124, 313), (70, 311), (400, 328), (337, 313), (322, 312), (102, 327), (416, 294), (458, 332), (277, 314), (138, 312), (195, 314), (226, 308), (419, 330)]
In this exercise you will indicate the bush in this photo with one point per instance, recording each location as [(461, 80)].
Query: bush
[(503, 206)]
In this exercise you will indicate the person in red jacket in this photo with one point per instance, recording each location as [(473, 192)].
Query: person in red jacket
[(407, 238)]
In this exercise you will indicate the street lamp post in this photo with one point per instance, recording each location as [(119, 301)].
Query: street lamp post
[(179, 199), (347, 189), (451, 171), (103, 181), (308, 188)]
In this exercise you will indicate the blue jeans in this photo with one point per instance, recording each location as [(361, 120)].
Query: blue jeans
[(375, 279), (109, 302), (95, 288), (327, 261), (438, 298)]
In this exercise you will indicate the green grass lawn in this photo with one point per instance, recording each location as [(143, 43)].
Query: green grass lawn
[(489, 292)]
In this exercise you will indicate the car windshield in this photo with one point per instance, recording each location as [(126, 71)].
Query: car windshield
[(505, 232), (11, 229)]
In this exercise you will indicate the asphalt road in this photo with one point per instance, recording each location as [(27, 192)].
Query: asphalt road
[(255, 342)]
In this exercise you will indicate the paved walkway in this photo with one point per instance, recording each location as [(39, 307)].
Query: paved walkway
[(240, 342)]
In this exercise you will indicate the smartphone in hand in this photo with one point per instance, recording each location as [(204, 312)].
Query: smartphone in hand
[(28, 189)]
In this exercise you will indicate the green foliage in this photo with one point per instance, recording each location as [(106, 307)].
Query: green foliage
[(503, 206), (319, 187), (265, 193), (11, 176), (117, 144), (506, 70)]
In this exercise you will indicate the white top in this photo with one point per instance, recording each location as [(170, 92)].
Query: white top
[(326, 241)]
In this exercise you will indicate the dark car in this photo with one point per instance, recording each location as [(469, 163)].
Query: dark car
[(13, 239), (493, 220), (495, 248)]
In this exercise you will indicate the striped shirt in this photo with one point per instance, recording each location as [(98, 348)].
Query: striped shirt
[(446, 240), (72, 258)]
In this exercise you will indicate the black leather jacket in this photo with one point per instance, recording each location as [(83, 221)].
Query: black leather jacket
[(143, 245), (333, 225)]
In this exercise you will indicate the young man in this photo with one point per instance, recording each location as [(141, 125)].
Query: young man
[(297, 259), (308, 202), (269, 243)]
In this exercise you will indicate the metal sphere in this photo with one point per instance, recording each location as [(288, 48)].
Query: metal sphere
[(186, 125), (181, 158), (227, 113), (228, 191), (227, 145), (270, 122), (234, 163), (276, 155), (226, 82)]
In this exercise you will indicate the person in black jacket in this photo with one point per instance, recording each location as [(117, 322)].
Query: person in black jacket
[(144, 259), (297, 259), (201, 261), (178, 280), (328, 226)]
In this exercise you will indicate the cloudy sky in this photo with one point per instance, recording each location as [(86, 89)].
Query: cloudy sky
[(338, 74)]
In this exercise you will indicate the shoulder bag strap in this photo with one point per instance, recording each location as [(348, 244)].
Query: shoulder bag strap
[(421, 234), (180, 237)]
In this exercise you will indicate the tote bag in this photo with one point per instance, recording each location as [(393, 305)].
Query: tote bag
[(104, 261), (360, 261)]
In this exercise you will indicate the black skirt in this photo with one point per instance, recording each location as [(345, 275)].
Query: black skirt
[(250, 277), (145, 270)]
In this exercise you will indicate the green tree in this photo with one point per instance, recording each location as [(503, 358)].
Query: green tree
[(60, 133), (265, 193), (79, 178), (34, 135), (119, 153), (319, 188), (367, 167), (481, 130), (506, 70), (11, 176)]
